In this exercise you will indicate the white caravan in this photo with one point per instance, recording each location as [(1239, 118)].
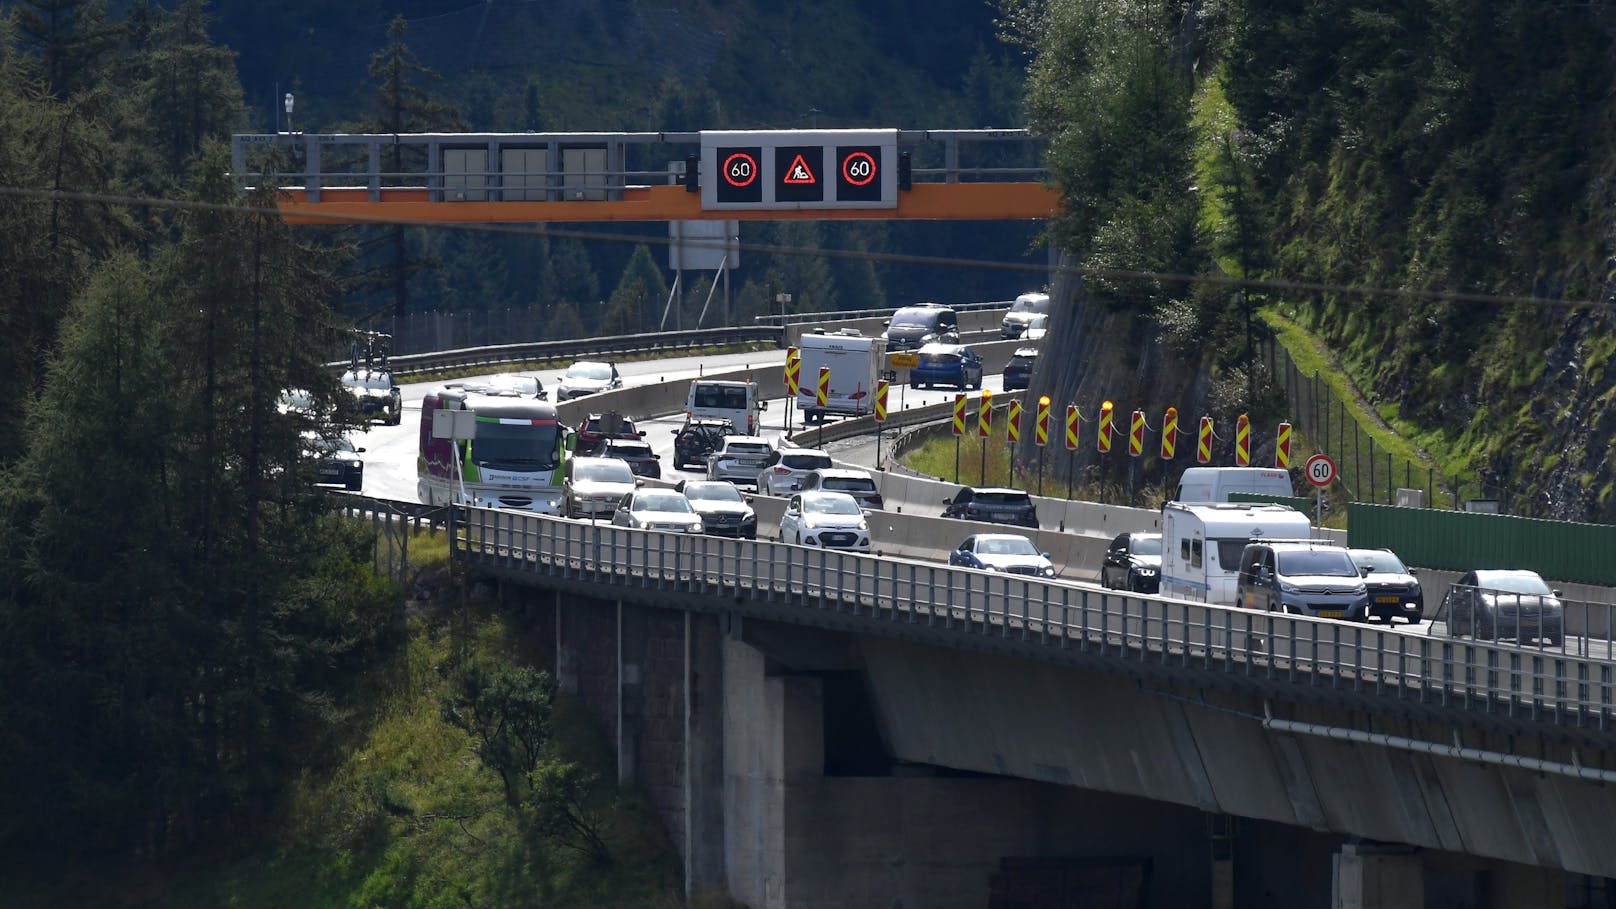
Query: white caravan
[(854, 363), (1201, 544)]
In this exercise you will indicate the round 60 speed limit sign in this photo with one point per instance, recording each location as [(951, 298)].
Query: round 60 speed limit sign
[(1320, 470)]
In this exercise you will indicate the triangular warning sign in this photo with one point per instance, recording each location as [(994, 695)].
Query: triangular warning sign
[(798, 172)]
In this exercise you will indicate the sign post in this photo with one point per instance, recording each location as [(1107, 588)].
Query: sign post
[(984, 429), (1073, 418), (1320, 471), (793, 370), (880, 417), (1042, 438), (959, 430)]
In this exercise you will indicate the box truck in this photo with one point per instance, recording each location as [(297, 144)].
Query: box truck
[(854, 363), (1202, 543)]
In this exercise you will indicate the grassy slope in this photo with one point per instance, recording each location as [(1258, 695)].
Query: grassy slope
[(409, 818)]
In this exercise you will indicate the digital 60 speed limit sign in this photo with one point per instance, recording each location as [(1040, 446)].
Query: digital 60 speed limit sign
[(740, 174), (786, 169)]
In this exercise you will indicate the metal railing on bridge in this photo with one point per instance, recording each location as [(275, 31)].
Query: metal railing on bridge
[(1060, 619)]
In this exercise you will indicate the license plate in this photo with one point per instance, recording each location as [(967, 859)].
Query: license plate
[(1329, 613), (1388, 599)]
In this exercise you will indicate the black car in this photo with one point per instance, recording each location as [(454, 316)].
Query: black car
[(995, 504), (336, 461), (1497, 604), (697, 439), (1133, 562), (1018, 372), (1394, 592), (641, 459)]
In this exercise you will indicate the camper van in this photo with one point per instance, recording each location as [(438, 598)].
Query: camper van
[(1202, 543), (735, 401), (1213, 484)]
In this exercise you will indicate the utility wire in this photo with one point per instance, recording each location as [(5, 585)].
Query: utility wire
[(1270, 284)]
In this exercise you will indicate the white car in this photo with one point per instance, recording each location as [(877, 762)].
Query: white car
[(832, 520), (786, 470), (594, 486), (739, 459), (855, 481), (657, 509), (1011, 553), (586, 377), (1037, 327), (504, 385), (375, 393)]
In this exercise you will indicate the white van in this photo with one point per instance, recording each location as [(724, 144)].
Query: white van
[(1213, 484), (1201, 545), (1021, 313), (735, 401)]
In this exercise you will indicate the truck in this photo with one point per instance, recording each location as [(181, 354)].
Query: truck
[(1213, 484), (1202, 543), (513, 457), (854, 363)]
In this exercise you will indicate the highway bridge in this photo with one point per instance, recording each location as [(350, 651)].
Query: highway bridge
[(820, 728)]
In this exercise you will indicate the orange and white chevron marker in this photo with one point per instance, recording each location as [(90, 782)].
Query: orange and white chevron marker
[(1282, 451), (1071, 427), (1015, 421), (881, 401), (822, 393), (1242, 441), (1102, 442), (1203, 444), (1169, 433), (793, 370), (959, 415), (984, 415), (1042, 436), (1136, 434)]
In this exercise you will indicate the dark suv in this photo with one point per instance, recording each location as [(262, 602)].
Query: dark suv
[(1133, 562), (1496, 604), (1018, 372), (597, 428), (994, 504), (913, 327), (698, 438)]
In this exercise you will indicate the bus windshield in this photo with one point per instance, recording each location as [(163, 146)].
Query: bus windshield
[(517, 446)]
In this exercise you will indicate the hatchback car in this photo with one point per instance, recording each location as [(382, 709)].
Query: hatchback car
[(1394, 592), (787, 467), (641, 459), (995, 504), (724, 511), (586, 377), (1011, 553), (657, 509), (1133, 562), (596, 428), (697, 439), (1018, 371), (954, 365), (1306, 577), (859, 484), (336, 461), (832, 520), (1504, 604), (594, 486), (739, 459)]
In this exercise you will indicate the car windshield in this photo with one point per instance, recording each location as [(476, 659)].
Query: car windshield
[(1328, 563), (913, 319), (633, 449), (331, 446), (940, 358), (1379, 562), (848, 484), (1514, 583), (1145, 546), (662, 501), (589, 371), (713, 492), (603, 472), (522, 385), (830, 505), (747, 449), (1003, 498), (1006, 546), (805, 462), (1020, 360)]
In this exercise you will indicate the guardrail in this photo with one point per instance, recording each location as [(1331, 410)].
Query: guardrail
[(813, 318), (576, 348), (806, 585)]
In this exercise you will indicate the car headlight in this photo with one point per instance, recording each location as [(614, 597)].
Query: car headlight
[(928, 337), (1145, 572), (864, 525), (1049, 571), (1288, 587), (356, 464), (696, 526)]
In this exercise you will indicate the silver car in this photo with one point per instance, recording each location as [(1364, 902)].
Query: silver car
[(594, 486), (787, 469), (740, 459), (657, 509)]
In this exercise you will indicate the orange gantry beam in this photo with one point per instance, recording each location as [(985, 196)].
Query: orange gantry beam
[(926, 202)]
